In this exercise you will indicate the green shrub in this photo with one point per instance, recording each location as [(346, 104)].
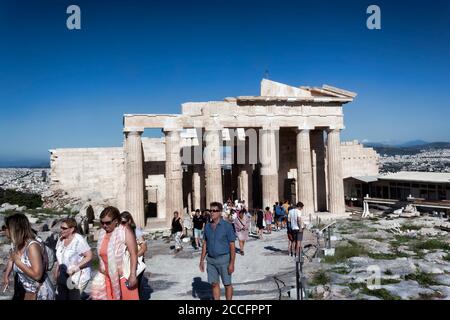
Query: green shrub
[(380, 293), (431, 244), (342, 253), (382, 256), (424, 279), (30, 200), (320, 277)]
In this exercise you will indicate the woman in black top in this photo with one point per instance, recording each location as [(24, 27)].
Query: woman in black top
[(177, 229), (259, 222)]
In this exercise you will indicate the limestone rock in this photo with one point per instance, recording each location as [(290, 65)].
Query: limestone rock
[(408, 289), (431, 268)]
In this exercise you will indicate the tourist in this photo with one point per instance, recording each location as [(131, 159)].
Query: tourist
[(259, 222), (243, 205), (206, 216), (19, 291), (177, 230), (199, 224), (219, 251), (29, 258), (295, 228), (187, 224), (73, 254), (268, 219), (242, 227), (127, 219), (115, 243), (279, 215), (286, 209)]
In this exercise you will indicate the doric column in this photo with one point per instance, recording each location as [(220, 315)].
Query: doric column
[(304, 171), (319, 180), (174, 174), (134, 170), (213, 168), (196, 185), (269, 149), (335, 181)]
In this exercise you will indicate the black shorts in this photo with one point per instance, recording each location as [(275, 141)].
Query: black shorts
[(295, 235)]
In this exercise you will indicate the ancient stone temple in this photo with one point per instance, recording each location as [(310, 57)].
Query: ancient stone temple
[(281, 145)]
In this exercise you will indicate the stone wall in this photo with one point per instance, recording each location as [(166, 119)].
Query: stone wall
[(357, 160), (90, 173)]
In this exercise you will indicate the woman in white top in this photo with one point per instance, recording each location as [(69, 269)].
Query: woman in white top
[(29, 258), (74, 255)]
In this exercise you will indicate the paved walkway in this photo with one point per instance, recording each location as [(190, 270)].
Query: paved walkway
[(265, 268)]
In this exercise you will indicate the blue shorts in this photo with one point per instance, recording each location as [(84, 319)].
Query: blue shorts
[(279, 218), (198, 233), (218, 267)]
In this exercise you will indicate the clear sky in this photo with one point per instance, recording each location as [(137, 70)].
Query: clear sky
[(62, 88)]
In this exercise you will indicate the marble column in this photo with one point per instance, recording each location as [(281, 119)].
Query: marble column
[(318, 158), (134, 166), (335, 181), (174, 175), (269, 149), (304, 171), (196, 185), (213, 168)]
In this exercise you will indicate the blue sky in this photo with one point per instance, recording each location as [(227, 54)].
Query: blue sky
[(62, 88)]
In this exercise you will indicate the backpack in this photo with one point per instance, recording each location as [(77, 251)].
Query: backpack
[(48, 255)]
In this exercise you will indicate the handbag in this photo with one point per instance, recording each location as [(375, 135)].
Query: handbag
[(126, 265)]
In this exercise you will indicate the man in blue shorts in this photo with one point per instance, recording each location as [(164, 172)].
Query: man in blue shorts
[(219, 250)]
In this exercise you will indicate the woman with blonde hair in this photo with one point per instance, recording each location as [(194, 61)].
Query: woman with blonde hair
[(29, 258), (115, 239), (74, 255)]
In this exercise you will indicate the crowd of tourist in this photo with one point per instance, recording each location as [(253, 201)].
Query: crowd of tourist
[(121, 249)]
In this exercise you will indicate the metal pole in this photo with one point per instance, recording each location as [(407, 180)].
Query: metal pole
[(297, 276), (301, 276), (329, 238)]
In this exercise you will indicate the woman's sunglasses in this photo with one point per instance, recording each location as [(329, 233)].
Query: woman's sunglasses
[(107, 223), (64, 228), (124, 222)]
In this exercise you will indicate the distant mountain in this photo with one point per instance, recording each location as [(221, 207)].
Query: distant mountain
[(410, 147), (413, 143)]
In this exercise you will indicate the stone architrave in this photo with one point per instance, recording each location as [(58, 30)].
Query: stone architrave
[(134, 194)]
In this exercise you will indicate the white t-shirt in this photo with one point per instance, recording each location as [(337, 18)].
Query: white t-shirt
[(72, 256), (293, 218)]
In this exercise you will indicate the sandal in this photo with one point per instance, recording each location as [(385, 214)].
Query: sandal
[(242, 253)]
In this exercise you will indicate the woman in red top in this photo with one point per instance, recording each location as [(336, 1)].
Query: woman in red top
[(268, 218), (114, 239)]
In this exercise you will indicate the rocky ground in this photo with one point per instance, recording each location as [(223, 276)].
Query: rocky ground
[(383, 257)]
